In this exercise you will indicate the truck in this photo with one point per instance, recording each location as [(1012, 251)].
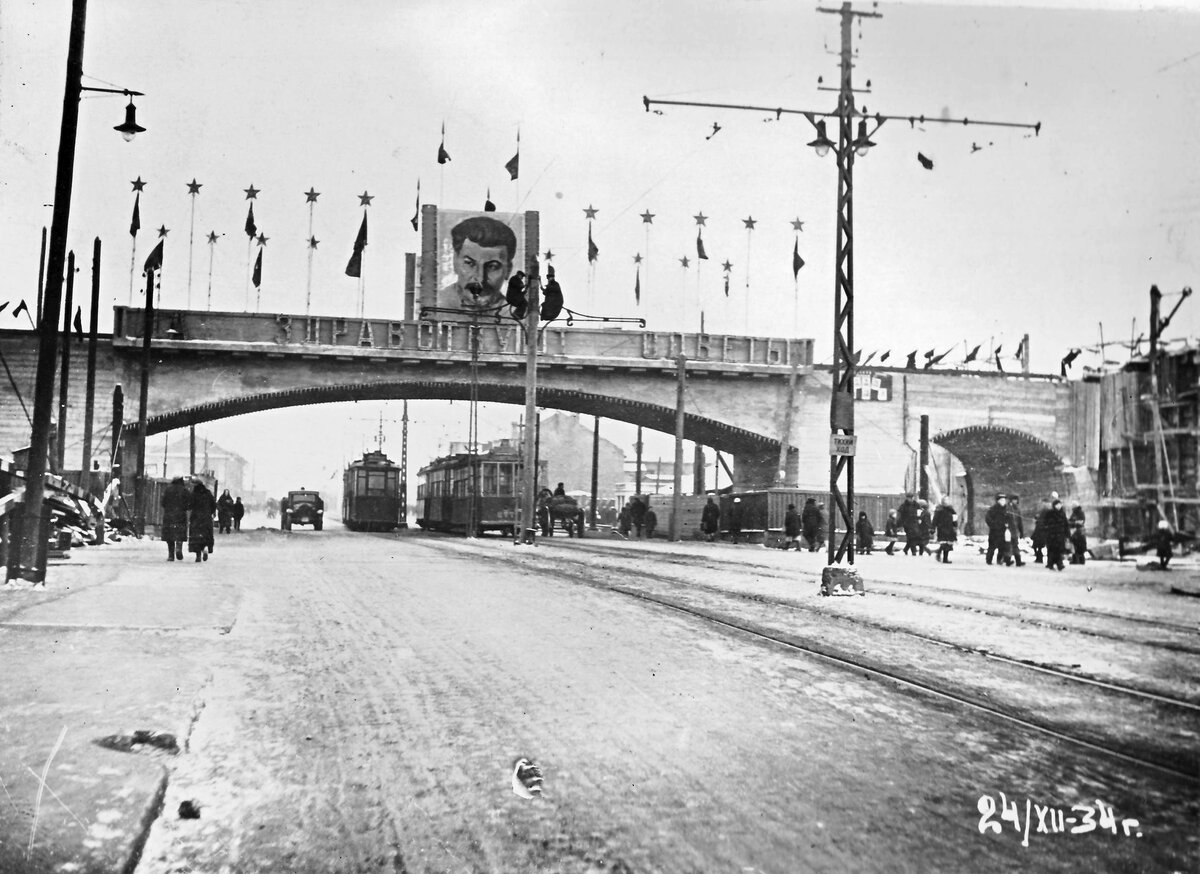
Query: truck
[(301, 507)]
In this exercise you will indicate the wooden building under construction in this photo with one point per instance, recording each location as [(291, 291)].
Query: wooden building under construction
[(1149, 418)]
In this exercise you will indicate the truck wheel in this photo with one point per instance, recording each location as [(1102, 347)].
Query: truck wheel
[(317, 525)]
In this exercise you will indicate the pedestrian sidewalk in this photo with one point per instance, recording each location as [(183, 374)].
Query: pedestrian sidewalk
[(103, 671)]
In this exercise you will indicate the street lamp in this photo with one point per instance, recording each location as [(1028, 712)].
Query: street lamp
[(32, 549)]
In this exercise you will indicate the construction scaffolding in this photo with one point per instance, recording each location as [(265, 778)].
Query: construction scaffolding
[(1150, 436)]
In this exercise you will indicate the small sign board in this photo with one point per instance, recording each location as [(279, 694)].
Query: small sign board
[(842, 444)]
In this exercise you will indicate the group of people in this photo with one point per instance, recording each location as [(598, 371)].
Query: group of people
[(187, 517), (808, 524), (229, 513), (638, 518), (1054, 533), (919, 528)]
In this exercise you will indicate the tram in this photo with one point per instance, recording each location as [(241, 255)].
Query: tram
[(449, 495), (371, 494)]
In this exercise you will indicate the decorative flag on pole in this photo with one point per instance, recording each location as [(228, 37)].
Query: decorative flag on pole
[(1020, 349), (22, 307), (999, 366), (488, 206), (593, 250), (354, 267), (155, 261), (911, 363), (637, 286), (78, 322), (3, 306), (884, 357), (417, 213), (256, 277), (251, 228), (443, 155), (797, 261), (514, 163), (972, 355), (135, 224), (700, 253)]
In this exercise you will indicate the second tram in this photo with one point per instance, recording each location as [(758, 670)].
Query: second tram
[(450, 495), (372, 494)]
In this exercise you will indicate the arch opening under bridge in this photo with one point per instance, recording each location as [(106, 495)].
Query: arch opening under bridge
[(1000, 459), (737, 442)]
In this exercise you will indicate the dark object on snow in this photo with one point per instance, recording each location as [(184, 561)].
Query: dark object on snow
[(189, 809), (527, 779), (927, 163), (129, 743)]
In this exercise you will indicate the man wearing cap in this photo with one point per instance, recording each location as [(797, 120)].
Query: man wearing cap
[(996, 520), (1016, 530)]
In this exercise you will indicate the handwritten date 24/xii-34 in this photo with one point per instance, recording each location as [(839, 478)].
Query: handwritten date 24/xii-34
[(1048, 820)]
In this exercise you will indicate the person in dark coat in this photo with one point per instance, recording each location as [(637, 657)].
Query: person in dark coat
[(515, 295), (996, 520), (624, 521), (1016, 530), (225, 513), (791, 528), (560, 491), (891, 531), (735, 520), (650, 521), (710, 520), (552, 297), (1054, 523), (1078, 522), (239, 510), (176, 500), (909, 514), (200, 525), (811, 523), (945, 529), (1038, 536), (637, 515), (924, 528), (864, 535)]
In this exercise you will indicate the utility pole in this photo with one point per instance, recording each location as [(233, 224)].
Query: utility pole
[(841, 410), (533, 287), (90, 390), (680, 419), (595, 471), (404, 468)]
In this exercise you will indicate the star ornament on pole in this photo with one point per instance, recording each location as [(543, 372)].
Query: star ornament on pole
[(311, 195), (251, 192), (194, 186), (365, 199)]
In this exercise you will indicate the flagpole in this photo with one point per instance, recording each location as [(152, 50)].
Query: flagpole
[(132, 267), (212, 247), (308, 288), (749, 222), (193, 190), (246, 297)]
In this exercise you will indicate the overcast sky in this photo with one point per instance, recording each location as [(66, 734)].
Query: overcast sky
[(1008, 233)]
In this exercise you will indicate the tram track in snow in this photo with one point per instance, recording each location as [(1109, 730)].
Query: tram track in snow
[(1049, 701)]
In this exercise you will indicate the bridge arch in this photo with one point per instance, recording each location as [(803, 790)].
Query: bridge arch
[(1001, 459), (721, 436)]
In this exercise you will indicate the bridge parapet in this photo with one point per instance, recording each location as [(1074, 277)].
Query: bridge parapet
[(499, 340)]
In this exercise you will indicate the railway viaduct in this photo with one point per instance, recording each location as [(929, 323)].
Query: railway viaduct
[(1017, 432)]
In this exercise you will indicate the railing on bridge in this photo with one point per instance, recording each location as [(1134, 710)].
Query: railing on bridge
[(498, 338)]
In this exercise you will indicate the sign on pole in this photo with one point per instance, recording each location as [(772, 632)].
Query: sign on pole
[(842, 444)]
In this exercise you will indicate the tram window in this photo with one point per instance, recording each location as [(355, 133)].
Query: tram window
[(504, 479), (376, 482), (489, 479)]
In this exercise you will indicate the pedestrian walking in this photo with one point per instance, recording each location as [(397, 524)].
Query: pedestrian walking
[(637, 515), (650, 521), (891, 531), (176, 500), (225, 512), (924, 528), (1078, 523), (791, 528), (710, 520), (200, 522), (239, 510), (624, 521), (1016, 530), (910, 510), (735, 520), (945, 529), (1054, 522), (864, 535), (812, 521), (996, 520), (1038, 535)]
